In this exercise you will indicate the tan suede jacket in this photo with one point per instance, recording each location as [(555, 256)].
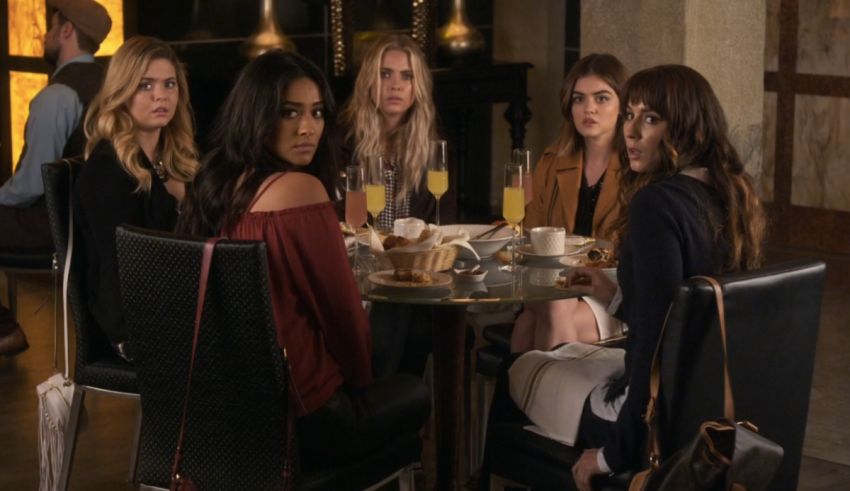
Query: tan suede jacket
[(557, 181)]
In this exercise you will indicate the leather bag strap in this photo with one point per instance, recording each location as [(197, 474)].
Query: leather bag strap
[(655, 375), (209, 248)]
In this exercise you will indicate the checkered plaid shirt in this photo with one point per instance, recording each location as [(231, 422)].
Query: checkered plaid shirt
[(394, 210)]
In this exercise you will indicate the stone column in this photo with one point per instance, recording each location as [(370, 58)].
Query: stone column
[(721, 39)]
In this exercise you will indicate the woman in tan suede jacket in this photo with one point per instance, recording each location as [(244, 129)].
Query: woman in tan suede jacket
[(576, 186), (557, 185)]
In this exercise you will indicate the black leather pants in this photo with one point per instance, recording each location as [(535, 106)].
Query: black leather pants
[(401, 338), (357, 422)]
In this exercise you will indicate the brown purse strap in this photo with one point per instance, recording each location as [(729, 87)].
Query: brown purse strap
[(209, 248), (655, 375), (206, 262)]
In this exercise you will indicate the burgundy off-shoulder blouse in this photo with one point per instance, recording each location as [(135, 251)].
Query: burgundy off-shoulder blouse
[(320, 318)]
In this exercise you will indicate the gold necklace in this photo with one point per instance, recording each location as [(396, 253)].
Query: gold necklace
[(160, 172)]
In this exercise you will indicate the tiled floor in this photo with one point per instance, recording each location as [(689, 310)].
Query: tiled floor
[(103, 451)]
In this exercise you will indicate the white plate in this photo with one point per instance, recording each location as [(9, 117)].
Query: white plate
[(385, 278), (578, 260), (569, 250)]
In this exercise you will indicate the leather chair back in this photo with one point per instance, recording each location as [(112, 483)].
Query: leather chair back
[(772, 319), (235, 436), (96, 365)]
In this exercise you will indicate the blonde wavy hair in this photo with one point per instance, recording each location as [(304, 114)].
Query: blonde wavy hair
[(108, 117), (412, 139)]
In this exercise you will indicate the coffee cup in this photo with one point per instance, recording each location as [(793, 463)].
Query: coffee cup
[(548, 241)]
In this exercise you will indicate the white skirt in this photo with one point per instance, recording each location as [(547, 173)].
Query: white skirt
[(608, 325)]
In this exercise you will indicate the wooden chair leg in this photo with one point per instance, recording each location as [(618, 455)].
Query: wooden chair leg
[(429, 381), (134, 452), (467, 410), (12, 283), (71, 432), (482, 383)]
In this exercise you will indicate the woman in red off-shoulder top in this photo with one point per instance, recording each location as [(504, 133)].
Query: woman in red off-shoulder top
[(268, 178)]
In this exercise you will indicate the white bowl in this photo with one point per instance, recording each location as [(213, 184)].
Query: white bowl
[(484, 247), (479, 275)]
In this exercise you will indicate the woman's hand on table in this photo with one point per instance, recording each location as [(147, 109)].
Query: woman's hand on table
[(585, 469), (592, 281)]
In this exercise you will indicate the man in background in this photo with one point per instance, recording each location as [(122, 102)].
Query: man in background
[(54, 130)]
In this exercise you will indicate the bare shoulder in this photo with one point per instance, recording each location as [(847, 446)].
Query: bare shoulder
[(290, 191)]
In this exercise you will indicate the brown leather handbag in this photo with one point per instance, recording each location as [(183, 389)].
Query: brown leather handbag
[(725, 455), (183, 483)]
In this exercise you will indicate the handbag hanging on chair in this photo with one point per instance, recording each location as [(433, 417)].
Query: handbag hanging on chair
[(183, 483), (56, 394), (724, 456)]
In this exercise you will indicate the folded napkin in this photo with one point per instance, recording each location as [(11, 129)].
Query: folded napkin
[(436, 239)]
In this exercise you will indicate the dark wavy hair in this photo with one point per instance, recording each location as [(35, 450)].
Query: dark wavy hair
[(696, 136), (248, 116)]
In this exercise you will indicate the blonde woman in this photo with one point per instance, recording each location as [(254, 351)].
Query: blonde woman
[(391, 113), (139, 155)]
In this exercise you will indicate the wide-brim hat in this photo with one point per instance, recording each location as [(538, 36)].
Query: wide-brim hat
[(88, 16)]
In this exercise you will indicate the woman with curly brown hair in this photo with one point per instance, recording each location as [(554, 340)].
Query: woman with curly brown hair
[(687, 209)]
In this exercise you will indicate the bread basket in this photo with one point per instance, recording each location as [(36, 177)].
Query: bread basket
[(439, 258)]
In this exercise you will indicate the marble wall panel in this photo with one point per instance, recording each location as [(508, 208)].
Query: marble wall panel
[(27, 26), (771, 37), (821, 165), (824, 37), (22, 87), (768, 146), (116, 35)]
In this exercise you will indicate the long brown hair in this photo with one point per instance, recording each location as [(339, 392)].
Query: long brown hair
[(696, 136), (612, 72), (246, 119)]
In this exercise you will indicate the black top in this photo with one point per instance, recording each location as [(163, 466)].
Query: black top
[(588, 196), (105, 196), (670, 238)]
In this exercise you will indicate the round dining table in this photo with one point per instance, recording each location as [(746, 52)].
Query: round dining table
[(449, 298)]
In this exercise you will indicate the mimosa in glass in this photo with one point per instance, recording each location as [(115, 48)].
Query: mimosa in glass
[(438, 173), (355, 207), (376, 190), (513, 208), (522, 157)]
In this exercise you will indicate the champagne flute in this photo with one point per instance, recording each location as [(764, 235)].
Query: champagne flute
[(438, 173), (513, 208), (522, 157), (355, 207), (376, 197)]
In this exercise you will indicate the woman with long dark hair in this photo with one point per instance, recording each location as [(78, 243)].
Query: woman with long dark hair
[(268, 177), (687, 209)]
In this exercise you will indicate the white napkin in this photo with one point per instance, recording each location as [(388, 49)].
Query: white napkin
[(436, 239)]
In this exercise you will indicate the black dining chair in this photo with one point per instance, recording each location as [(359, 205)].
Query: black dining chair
[(97, 368), (235, 436), (772, 318), (23, 261)]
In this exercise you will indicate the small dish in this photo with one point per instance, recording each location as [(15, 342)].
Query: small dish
[(526, 250), (473, 275)]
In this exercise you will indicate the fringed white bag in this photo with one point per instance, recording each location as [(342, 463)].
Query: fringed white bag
[(56, 395)]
